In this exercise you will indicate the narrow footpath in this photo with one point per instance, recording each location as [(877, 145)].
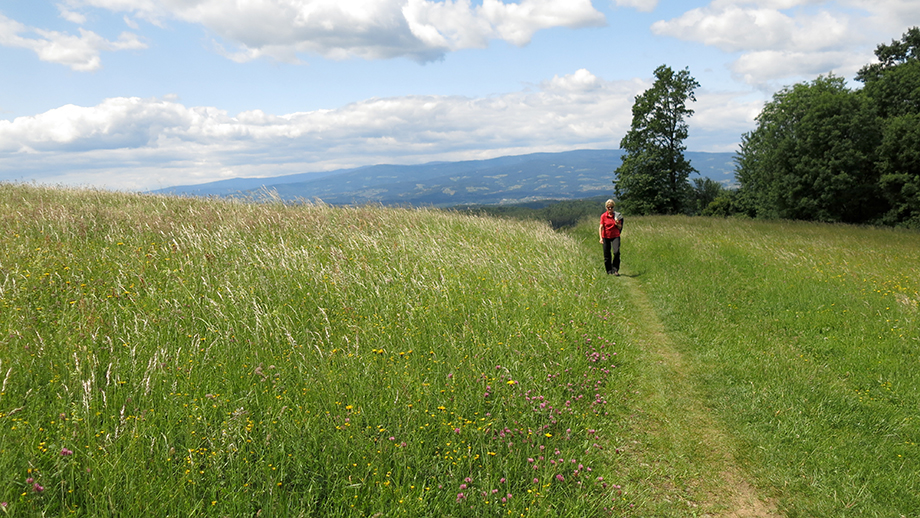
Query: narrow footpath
[(681, 423)]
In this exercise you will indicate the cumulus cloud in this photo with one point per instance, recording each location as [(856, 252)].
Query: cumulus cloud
[(422, 30), (639, 5), (135, 143), (80, 53), (892, 17), (110, 142), (71, 16), (456, 24), (783, 39), (763, 67), (733, 28), (581, 81), (766, 4), (721, 113)]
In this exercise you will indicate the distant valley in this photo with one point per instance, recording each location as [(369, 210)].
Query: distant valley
[(505, 180)]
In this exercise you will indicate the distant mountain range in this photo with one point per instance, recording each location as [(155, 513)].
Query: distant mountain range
[(504, 180)]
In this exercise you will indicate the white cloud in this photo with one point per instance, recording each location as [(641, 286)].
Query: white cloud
[(71, 16), (134, 143), (764, 67), (782, 40), (733, 28), (581, 81), (639, 5), (455, 24), (115, 123), (422, 30), (80, 53), (721, 113), (891, 17), (108, 143), (766, 4)]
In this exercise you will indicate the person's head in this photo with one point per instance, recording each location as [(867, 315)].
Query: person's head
[(610, 205)]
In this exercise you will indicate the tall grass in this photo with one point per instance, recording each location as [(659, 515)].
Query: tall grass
[(185, 357), (805, 340)]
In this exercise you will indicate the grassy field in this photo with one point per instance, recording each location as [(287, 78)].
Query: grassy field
[(184, 357), (188, 357), (804, 341)]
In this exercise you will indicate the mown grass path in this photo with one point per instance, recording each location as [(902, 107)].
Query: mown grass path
[(720, 486), (678, 455), (773, 367)]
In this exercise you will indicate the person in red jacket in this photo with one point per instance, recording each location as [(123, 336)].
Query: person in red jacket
[(611, 225)]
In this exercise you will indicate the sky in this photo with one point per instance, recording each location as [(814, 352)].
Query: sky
[(136, 95)]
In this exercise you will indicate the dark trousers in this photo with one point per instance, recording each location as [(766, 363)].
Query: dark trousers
[(612, 254)]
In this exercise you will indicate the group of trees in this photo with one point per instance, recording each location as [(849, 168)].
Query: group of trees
[(821, 151)]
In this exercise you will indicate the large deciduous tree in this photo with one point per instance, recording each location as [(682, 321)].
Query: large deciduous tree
[(899, 166), (823, 152), (894, 82), (812, 156), (893, 85), (653, 176)]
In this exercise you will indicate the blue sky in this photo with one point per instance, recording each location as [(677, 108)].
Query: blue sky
[(144, 94)]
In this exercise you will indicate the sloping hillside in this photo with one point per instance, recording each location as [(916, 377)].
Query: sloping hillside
[(180, 356), (175, 356)]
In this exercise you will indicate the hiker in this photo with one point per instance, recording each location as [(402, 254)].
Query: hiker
[(611, 225)]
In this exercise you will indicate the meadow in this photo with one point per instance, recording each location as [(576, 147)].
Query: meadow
[(803, 339), (205, 357)]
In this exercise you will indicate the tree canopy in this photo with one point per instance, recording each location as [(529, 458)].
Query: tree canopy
[(894, 82), (822, 151), (811, 156), (653, 176)]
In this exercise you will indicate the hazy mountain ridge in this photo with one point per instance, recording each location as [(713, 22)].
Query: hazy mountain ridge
[(510, 179)]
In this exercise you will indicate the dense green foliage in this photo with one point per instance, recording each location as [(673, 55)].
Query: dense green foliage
[(704, 193), (899, 167), (811, 156), (894, 82), (824, 152), (653, 176)]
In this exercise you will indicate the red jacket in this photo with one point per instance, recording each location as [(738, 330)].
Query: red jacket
[(611, 225)]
